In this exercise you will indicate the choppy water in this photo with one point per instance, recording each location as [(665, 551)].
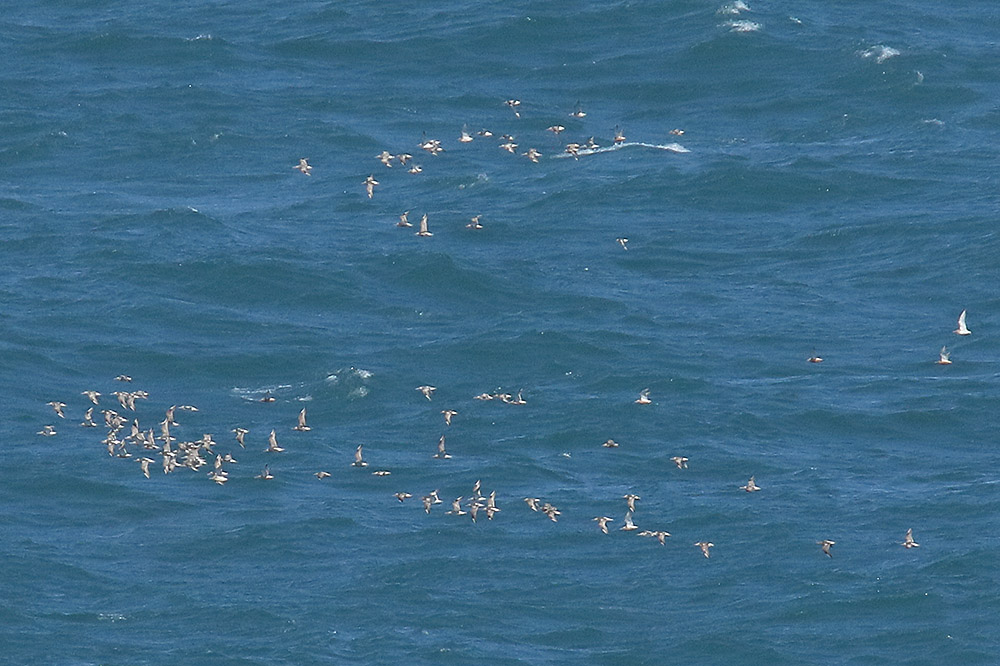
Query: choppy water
[(834, 192)]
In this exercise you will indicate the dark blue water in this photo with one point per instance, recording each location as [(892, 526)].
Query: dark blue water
[(830, 188)]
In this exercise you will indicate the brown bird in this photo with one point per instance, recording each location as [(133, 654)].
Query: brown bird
[(908, 541), (825, 544), (704, 545)]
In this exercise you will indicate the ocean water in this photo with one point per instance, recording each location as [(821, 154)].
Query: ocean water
[(831, 188)]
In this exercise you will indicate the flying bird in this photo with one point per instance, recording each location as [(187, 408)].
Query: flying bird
[(962, 329)]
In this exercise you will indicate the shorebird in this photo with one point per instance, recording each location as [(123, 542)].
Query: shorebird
[(509, 146), (322, 475), (303, 166), (962, 330), (358, 461), (381, 472), (448, 413), (423, 227), (631, 500), (751, 486), (370, 184), (88, 419), (475, 223), (578, 111), (123, 378), (456, 508), (644, 398), (610, 444), (266, 474), (434, 497), (427, 390), (485, 133), (945, 357), (591, 144), (623, 242), (513, 104), (402, 496), (416, 168), (442, 454), (465, 137), (619, 135), (272, 444), (704, 545), (58, 407), (404, 158), (908, 541), (814, 359), (491, 505), (240, 433), (302, 427), (533, 155), (660, 535), (552, 512), (386, 158), (676, 132), (432, 146), (629, 525), (574, 150), (93, 395), (404, 220), (532, 503), (47, 431), (144, 465), (427, 500), (602, 522), (483, 396), (680, 461), (825, 545), (555, 129)]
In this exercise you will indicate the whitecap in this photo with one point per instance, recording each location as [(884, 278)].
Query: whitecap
[(669, 147), (733, 7), (880, 53), (743, 26)]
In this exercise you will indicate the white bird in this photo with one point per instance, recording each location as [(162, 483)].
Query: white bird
[(303, 166), (442, 454), (945, 357), (962, 329), (602, 522), (423, 227), (272, 444), (302, 427), (629, 525), (427, 390), (58, 407), (751, 486), (908, 541), (644, 398), (358, 461)]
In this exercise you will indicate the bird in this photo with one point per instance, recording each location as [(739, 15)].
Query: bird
[(619, 135), (908, 541), (555, 129), (751, 486), (945, 357), (47, 431), (423, 227), (825, 544), (442, 454), (427, 500), (456, 508), (602, 522), (386, 158), (370, 184), (303, 166), (58, 407), (644, 398), (93, 395), (302, 427), (144, 465), (465, 137), (358, 461), (403, 220), (629, 525), (704, 545), (591, 144), (427, 390), (448, 413), (381, 472), (416, 168), (322, 475), (623, 242), (814, 359), (631, 500), (532, 503), (660, 535), (513, 104), (610, 444), (402, 496), (578, 111), (404, 158), (88, 419), (475, 223), (240, 434), (962, 330), (533, 154), (574, 150), (123, 378), (272, 443), (267, 397), (552, 512), (266, 474), (676, 132), (680, 461)]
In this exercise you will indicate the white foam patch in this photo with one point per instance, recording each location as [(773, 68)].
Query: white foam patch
[(733, 7), (743, 26), (669, 147), (879, 53)]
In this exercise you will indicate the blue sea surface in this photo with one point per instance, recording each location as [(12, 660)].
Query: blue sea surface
[(796, 180)]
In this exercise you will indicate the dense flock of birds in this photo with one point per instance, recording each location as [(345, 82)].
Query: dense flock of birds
[(126, 439)]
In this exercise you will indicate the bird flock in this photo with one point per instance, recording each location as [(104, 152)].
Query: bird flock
[(127, 440)]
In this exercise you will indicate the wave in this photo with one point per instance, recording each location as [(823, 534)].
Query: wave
[(669, 147)]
